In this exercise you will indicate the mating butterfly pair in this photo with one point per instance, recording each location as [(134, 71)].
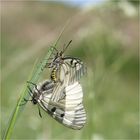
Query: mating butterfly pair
[(62, 95)]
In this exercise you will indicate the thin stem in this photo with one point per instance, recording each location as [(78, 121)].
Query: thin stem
[(34, 76)]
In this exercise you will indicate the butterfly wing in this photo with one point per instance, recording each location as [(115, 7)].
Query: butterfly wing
[(64, 78), (76, 68), (69, 109), (70, 71), (75, 115)]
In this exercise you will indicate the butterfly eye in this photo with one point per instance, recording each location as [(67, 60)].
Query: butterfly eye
[(34, 101)]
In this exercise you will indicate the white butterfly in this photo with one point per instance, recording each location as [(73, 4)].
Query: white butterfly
[(62, 100), (62, 96), (66, 70), (73, 65), (69, 110), (67, 75)]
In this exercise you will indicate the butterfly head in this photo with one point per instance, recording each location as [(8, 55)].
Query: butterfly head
[(35, 95), (58, 58), (34, 99)]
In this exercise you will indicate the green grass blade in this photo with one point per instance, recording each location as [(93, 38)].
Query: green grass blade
[(34, 76), (16, 111)]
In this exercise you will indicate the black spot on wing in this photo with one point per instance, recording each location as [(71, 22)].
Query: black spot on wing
[(53, 109), (62, 115)]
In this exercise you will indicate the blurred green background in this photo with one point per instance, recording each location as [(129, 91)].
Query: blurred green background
[(105, 37)]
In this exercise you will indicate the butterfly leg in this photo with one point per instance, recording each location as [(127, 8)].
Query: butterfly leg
[(34, 85), (54, 49), (21, 104), (24, 101), (39, 112), (30, 91)]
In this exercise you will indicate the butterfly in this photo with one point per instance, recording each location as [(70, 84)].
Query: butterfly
[(62, 96), (65, 67), (60, 61), (68, 111)]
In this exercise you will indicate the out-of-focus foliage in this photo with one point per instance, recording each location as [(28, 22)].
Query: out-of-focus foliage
[(135, 3), (104, 37)]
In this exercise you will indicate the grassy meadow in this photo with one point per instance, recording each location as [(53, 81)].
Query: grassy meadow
[(104, 37)]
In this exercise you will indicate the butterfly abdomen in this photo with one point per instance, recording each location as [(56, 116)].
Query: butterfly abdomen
[(54, 75)]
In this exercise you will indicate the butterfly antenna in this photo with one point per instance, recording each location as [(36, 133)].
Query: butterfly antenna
[(66, 47), (30, 91), (25, 101)]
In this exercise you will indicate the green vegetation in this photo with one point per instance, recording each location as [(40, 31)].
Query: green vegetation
[(104, 37)]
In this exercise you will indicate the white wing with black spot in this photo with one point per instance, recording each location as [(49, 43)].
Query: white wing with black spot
[(69, 109)]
